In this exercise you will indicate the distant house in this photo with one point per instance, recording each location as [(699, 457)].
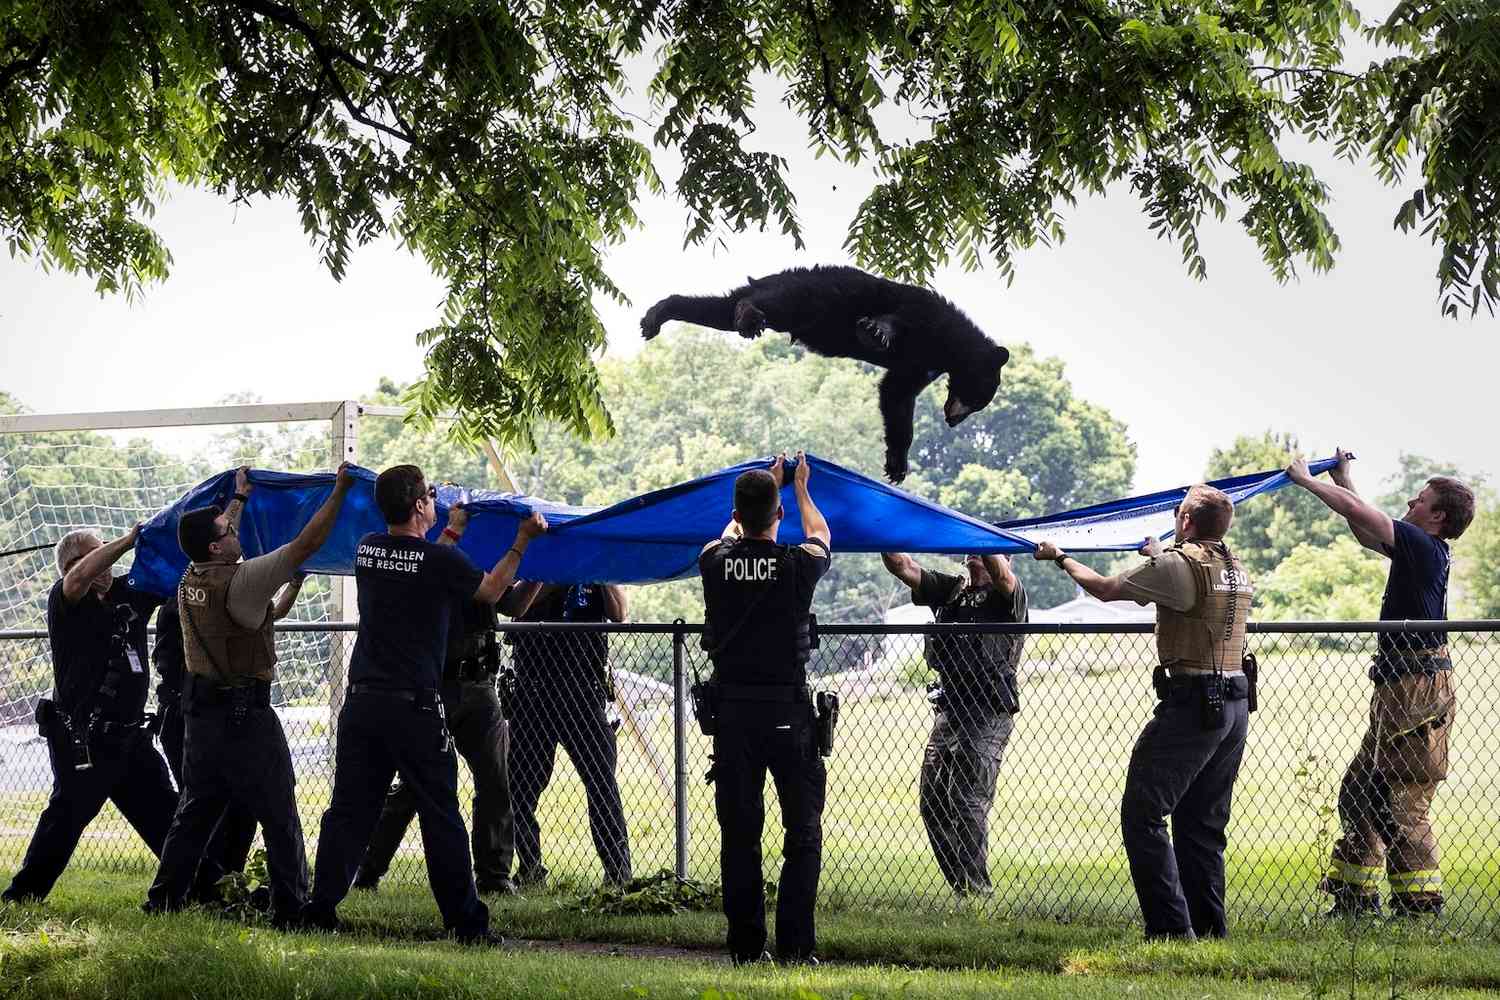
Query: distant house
[(1083, 608), (1042, 654)]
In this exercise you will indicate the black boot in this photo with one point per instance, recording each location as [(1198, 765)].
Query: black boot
[(1350, 903)]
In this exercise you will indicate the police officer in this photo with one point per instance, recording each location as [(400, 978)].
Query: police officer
[(235, 751), (758, 595), (480, 735), (1389, 786), (229, 847), (975, 704), (393, 720), (1187, 758), (95, 724), (563, 692)]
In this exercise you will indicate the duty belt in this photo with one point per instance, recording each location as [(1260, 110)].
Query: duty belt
[(1193, 673), (785, 693), (1388, 668), (202, 691), (1185, 684), (473, 670), (117, 727), (421, 697)]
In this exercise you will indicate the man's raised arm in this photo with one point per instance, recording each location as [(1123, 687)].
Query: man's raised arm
[(903, 567), (81, 574), (259, 579), (1371, 525), (813, 524), (1103, 588), (1000, 572), (287, 596), (242, 488), (316, 531), (616, 604), (517, 600), (498, 579), (1341, 477)]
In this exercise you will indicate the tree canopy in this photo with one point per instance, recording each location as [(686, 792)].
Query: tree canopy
[(1339, 581), (1477, 558), (1265, 533), (491, 139)]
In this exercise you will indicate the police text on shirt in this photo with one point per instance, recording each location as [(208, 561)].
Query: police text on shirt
[(747, 568)]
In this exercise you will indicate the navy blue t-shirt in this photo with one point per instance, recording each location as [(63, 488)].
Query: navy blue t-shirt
[(407, 587), (81, 635), (1416, 589)]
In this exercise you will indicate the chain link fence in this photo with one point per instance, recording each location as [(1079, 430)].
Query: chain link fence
[(1054, 830)]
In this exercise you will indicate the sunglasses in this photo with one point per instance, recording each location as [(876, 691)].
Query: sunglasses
[(231, 530), (431, 494)]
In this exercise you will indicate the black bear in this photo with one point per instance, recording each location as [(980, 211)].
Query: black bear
[(843, 312)]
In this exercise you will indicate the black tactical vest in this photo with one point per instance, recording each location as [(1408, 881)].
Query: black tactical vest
[(757, 633), (978, 671)]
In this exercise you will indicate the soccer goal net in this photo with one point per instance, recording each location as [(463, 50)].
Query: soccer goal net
[(56, 481)]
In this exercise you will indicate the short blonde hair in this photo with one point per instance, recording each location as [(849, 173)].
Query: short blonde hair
[(71, 546), (1209, 510)]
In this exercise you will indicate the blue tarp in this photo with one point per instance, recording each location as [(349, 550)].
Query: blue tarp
[(656, 536)]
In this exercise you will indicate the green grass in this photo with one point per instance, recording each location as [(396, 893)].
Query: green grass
[(1054, 841), (91, 941)]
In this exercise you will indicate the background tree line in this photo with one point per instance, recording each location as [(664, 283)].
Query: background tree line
[(697, 401)]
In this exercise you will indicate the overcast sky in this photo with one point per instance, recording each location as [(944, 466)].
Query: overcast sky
[(1358, 357)]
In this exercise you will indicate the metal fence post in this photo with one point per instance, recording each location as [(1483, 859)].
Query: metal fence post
[(679, 745)]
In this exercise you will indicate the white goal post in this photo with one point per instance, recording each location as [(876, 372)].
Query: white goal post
[(342, 417)]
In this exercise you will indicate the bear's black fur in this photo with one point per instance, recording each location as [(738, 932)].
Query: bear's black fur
[(843, 312)]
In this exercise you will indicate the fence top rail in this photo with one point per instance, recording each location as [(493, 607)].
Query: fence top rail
[(856, 628)]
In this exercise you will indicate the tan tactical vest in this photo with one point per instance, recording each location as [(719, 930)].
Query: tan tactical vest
[(1193, 641), (233, 655)]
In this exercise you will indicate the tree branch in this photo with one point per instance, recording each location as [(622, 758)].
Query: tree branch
[(21, 67), (1272, 72), (830, 96), (288, 18), (314, 105), (328, 55)]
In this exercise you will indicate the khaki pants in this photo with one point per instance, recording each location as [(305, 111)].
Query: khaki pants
[(1387, 791)]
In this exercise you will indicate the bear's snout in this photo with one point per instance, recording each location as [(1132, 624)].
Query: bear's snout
[(955, 412)]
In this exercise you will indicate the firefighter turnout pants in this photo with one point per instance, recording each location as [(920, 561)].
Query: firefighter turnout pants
[(1385, 796)]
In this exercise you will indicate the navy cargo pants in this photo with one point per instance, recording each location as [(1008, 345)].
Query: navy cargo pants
[(126, 770), (957, 789), (753, 738), (1181, 770), (572, 716), (382, 735), (480, 736), (246, 767), (229, 847)]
